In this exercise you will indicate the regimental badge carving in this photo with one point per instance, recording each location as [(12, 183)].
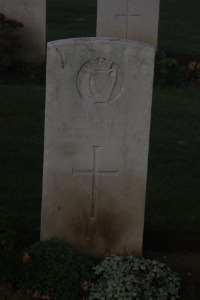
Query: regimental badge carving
[(100, 81)]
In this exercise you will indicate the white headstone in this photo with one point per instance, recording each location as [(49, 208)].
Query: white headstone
[(32, 13), (98, 107), (129, 19)]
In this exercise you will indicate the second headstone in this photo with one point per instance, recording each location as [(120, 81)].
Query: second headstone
[(129, 19)]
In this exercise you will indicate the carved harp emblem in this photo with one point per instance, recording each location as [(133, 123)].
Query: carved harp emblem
[(97, 80)]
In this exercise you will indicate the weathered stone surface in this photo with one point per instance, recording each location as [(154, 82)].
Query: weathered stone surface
[(32, 13), (98, 107), (129, 19)]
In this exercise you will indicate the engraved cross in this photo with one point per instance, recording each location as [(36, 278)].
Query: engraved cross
[(94, 172), (127, 16)]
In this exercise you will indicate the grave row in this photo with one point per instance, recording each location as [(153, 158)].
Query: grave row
[(97, 123)]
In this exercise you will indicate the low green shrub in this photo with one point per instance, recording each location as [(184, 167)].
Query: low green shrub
[(128, 277), (168, 72), (9, 42), (54, 269), (194, 72)]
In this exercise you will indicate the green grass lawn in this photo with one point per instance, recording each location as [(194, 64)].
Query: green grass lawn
[(21, 154), (71, 19), (173, 191), (179, 27)]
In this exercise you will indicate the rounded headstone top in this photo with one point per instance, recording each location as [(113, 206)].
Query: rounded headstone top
[(97, 40)]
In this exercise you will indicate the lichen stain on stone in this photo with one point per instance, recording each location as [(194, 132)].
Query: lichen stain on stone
[(108, 228), (70, 149), (105, 230)]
